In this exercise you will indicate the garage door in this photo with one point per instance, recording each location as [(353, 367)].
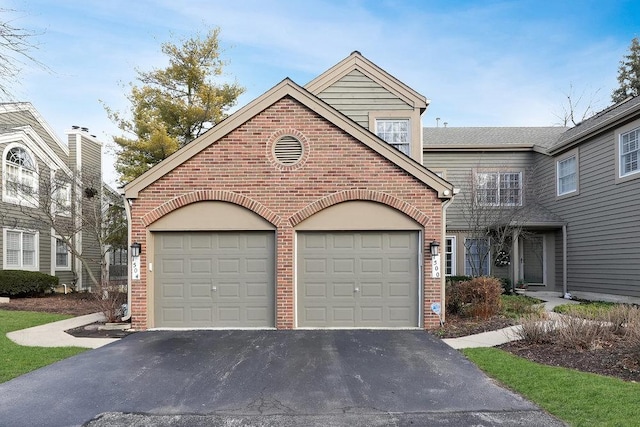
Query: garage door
[(358, 279), (214, 279)]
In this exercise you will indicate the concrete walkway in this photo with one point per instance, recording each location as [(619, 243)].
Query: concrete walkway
[(54, 335), (503, 336)]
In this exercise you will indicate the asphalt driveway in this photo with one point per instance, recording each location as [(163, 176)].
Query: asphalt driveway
[(267, 378)]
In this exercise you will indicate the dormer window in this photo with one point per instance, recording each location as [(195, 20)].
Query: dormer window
[(395, 132)]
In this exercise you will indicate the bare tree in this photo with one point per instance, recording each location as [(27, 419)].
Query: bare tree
[(496, 207), (16, 45), (73, 204), (577, 107)]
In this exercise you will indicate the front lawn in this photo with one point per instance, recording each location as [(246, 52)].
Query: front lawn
[(578, 398), (16, 360)]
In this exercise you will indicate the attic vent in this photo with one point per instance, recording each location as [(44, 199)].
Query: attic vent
[(288, 150)]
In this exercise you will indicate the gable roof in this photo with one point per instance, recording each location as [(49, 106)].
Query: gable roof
[(13, 107), (356, 61), (490, 138), (287, 88), (600, 122)]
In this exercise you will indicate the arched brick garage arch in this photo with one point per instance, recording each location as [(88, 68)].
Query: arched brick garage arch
[(369, 195), (211, 195)]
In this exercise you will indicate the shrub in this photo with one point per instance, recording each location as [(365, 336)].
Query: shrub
[(25, 283), (455, 279), (478, 297), (536, 329), (108, 298), (578, 333), (506, 285)]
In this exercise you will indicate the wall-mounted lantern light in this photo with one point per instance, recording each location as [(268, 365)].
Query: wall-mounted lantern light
[(434, 248), (136, 249)]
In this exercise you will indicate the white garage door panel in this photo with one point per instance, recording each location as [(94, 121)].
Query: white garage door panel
[(358, 279), (214, 279)]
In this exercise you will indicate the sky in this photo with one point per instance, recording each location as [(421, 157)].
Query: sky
[(480, 63)]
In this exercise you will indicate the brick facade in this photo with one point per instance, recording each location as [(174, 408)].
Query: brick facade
[(239, 168)]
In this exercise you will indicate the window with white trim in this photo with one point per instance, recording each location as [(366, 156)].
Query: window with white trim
[(629, 153), (477, 256), (62, 198), (395, 132), (499, 188), (63, 255), (567, 175), (20, 250), (450, 256), (20, 178)]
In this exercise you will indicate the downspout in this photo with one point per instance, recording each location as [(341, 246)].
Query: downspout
[(443, 239), (127, 209), (565, 291)]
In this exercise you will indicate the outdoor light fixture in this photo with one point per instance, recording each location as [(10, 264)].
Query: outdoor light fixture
[(136, 249), (434, 248)]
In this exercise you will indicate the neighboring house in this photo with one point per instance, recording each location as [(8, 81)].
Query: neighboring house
[(307, 208), (38, 189), (579, 193)]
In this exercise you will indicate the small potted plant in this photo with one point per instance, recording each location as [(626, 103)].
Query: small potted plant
[(521, 287)]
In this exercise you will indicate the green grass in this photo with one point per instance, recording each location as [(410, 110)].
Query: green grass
[(587, 310), (516, 306), (578, 398), (16, 360)]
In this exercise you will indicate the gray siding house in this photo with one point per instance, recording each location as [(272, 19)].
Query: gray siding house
[(40, 197), (577, 196)]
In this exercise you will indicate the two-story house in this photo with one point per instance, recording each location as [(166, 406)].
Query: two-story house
[(569, 197), (307, 208), (51, 190)]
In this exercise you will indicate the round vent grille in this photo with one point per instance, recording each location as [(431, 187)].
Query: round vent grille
[(288, 150)]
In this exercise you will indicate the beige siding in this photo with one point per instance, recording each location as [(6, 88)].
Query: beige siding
[(603, 231), (355, 95)]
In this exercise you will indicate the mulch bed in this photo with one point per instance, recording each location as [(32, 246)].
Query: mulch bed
[(457, 326), (93, 331), (613, 358), (74, 304)]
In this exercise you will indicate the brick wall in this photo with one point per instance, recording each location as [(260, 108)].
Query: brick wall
[(239, 168)]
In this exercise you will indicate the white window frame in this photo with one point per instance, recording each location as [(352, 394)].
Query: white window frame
[(450, 254), (395, 122), (469, 271), (54, 252), (21, 265), (498, 177), (61, 199), (30, 200), (576, 173), (631, 155)]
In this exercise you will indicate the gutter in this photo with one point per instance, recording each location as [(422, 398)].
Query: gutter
[(443, 277), (564, 260), (127, 209)]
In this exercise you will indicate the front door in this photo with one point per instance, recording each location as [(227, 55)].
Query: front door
[(532, 268)]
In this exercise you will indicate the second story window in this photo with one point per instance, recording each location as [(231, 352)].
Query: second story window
[(395, 132), (629, 152), (20, 177), (499, 188), (567, 175)]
